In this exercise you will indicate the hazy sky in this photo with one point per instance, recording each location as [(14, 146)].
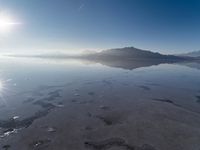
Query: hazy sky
[(167, 26)]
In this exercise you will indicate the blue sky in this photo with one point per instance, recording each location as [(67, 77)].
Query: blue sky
[(167, 26)]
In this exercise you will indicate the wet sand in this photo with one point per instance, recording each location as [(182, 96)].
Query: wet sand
[(106, 121)]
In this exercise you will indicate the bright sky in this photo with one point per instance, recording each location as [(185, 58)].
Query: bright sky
[(32, 26)]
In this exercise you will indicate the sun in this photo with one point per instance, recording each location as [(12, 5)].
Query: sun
[(7, 23)]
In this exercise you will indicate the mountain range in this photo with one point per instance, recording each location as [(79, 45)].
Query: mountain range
[(127, 57), (191, 54), (122, 54), (130, 53)]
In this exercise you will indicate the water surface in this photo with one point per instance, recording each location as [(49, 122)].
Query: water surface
[(76, 104)]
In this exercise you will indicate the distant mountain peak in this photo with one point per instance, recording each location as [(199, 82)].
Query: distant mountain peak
[(130, 53)]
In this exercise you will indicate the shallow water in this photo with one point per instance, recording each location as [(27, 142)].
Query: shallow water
[(76, 104)]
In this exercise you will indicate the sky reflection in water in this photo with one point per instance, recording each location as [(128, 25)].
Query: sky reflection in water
[(26, 79)]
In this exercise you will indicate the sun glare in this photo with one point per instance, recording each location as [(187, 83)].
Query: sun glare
[(7, 23)]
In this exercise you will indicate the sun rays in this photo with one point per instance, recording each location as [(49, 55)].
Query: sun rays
[(7, 23)]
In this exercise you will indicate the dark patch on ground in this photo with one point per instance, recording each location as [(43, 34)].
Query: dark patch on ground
[(6, 147), (174, 104), (147, 147), (88, 128), (109, 120), (55, 94), (74, 100), (44, 104), (29, 100), (145, 87), (11, 125), (163, 100), (105, 107), (52, 95), (60, 103), (106, 144), (91, 93), (167, 101), (115, 142), (89, 114), (198, 99)]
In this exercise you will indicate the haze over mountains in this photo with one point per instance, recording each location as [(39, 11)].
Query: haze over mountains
[(131, 58), (126, 53), (192, 54), (127, 57), (129, 53), (119, 55)]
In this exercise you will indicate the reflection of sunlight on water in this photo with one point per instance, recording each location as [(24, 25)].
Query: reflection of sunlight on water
[(47, 61), (4, 90)]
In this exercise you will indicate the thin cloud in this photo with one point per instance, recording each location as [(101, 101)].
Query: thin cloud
[(81, 7)]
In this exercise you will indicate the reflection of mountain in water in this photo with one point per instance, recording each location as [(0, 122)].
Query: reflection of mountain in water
[(131, 64), (195, 64), (127, 58)]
